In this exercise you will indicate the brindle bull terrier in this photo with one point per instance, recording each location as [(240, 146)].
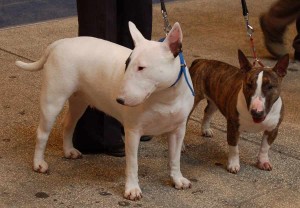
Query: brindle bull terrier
[(248, 97)]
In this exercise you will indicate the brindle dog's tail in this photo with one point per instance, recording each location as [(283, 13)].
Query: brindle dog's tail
[(196, 75)]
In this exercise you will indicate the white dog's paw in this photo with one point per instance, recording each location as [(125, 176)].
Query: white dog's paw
[(133, 193), (40, 166), (182, 183), (233, 167), (72, 154), (207, 132)]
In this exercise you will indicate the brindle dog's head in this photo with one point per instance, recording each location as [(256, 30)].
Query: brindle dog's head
[(262, 85)]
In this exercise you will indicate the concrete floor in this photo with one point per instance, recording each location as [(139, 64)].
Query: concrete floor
[(212, 29)]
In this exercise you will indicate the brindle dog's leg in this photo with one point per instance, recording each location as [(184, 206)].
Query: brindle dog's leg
[(210, 109), (268, 138), (233, 135)]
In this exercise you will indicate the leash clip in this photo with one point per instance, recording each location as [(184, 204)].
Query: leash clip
[(249, 28)]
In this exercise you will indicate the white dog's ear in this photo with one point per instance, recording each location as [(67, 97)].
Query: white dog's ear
[(174, 39), (135, 34)]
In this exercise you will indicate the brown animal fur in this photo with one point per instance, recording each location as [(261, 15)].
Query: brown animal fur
[(220, 83)]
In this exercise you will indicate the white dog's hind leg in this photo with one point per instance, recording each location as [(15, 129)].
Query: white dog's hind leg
[(76, 108), (175, 141), (132, 188), (50, 108)]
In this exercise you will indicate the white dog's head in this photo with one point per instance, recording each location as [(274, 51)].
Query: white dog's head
[(152, 66)]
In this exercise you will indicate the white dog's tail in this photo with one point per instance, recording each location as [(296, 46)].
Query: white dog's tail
[(34, 66), (38, 65)]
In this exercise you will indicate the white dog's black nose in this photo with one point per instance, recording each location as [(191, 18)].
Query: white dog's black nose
[(121, 101)]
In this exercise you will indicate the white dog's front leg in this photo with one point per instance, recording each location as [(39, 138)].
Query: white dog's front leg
[(175, 140), (132, 188)]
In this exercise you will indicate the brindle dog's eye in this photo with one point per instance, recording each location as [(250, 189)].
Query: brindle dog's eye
[(270, 87), (249, 85)]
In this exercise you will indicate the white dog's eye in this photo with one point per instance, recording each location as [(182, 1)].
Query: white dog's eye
[(140, 68)]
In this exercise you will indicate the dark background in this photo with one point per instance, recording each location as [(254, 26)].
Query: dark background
[(19, 12)]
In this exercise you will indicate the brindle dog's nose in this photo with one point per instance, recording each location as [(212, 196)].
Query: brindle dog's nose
[(121, 101), (257, 114)]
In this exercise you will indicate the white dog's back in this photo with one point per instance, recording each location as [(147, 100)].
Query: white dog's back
[(72, 74)]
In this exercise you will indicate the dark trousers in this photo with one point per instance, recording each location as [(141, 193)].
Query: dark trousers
[(108, 19), (296, 43), (281, 14)]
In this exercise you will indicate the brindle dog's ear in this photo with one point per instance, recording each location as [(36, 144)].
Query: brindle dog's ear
[(281, 67), (245, 65)]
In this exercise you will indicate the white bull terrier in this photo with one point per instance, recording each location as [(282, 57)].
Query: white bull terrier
[(144, 95)]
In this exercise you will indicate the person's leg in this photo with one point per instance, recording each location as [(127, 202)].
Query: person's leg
[(296, 43), (95, 131), (140, 13), (137, 11), (97, 18), (274, 23)]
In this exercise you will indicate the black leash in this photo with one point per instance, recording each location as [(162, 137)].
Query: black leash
[(167, 26), (250, 32)]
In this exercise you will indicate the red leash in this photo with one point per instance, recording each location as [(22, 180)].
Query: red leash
[(250, 32)]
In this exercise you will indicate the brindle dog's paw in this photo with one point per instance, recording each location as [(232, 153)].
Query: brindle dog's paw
[(207, 132), (233, 168), (264, 165), (133, 194)]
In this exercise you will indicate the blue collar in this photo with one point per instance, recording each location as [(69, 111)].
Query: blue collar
[(183, 71)]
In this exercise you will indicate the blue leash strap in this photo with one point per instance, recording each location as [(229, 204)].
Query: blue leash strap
[(183, 68), (182, 71)]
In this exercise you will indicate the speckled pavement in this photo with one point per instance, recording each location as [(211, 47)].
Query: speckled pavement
[(212, 29)]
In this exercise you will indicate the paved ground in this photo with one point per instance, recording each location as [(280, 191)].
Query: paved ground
[(212, 29)]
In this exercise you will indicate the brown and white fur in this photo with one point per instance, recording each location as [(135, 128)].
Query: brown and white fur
[(248, 97), (89, 71)]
